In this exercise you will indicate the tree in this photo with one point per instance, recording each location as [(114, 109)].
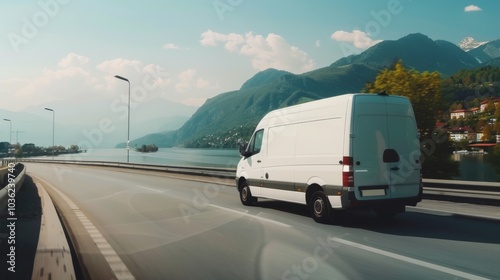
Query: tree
[(490, 107), (423, 90), (487, 133), (4, 147)]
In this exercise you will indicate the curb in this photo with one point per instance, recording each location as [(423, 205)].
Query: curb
[(53, 256)]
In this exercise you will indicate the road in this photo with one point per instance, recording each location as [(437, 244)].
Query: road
[(164, 227)]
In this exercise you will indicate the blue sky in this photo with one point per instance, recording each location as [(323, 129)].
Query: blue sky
[(67, 51)]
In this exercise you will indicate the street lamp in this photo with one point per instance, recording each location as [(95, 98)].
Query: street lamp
[(53, 128), (128, 127)]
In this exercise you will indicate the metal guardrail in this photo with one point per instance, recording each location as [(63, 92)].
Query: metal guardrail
[(477, 192), (473, 191), (226, 173)]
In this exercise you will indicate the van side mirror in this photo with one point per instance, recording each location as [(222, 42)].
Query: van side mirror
[(243, 148)]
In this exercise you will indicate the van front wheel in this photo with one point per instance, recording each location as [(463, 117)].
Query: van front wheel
[(320, 207), (245, 195)]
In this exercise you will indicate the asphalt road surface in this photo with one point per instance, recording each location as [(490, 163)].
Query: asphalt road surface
[(164, 227)]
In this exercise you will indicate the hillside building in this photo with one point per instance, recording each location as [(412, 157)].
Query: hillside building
[(463, 113), (484, 103), (463, 133)]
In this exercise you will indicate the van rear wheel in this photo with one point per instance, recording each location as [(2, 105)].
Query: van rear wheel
[(246, 195), (320, 207)]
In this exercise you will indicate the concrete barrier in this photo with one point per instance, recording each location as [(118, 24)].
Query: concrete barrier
[(8, 192), (53, 255)]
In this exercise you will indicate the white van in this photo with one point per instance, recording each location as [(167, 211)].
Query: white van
[(349, 151)]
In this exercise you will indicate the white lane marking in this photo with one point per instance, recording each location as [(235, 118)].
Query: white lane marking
[(419, 209), (250, 215), (409, 260), (150, 189), (114, 261)]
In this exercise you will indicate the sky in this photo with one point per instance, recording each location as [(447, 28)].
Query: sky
[(65, 53)]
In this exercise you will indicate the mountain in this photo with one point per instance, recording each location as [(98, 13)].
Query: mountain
[(486, 51), (417, 51), (264, 77), (230, 117), (468, 43)]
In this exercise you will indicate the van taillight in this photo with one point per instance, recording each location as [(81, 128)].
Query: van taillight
[(347, 172)]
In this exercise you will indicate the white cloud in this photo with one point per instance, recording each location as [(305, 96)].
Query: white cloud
[(317, 43), (72, 59), (357, 38), (76, 79), (119, 65), (187, 80), (170, 46), (472, 8), (272, 51)]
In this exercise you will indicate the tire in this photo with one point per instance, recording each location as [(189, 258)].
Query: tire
[(246, 195), (320, 207)]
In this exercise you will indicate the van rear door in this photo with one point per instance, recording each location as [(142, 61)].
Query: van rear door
[(384, 148), (403, 138)]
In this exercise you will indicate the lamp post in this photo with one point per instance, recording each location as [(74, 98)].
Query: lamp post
[(53, 128), (128, 126)]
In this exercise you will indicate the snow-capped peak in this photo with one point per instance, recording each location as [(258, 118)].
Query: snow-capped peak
[(468, 43)]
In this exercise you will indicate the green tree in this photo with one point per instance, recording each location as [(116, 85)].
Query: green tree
[(496, 126), (490, 107), (4, 147), (487, 133), (423, 90)]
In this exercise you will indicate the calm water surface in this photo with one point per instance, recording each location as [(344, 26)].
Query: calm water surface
[(473, 167), (221, 158)]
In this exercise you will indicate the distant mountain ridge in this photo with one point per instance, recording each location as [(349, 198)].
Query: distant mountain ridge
[(417, 51), (228, 115), (486, 52)]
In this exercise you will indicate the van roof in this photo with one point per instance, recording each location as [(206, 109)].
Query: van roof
[(320, 103), (290, 114)]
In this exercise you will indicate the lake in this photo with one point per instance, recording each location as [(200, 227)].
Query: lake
[(472, 166), (220, 158)]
